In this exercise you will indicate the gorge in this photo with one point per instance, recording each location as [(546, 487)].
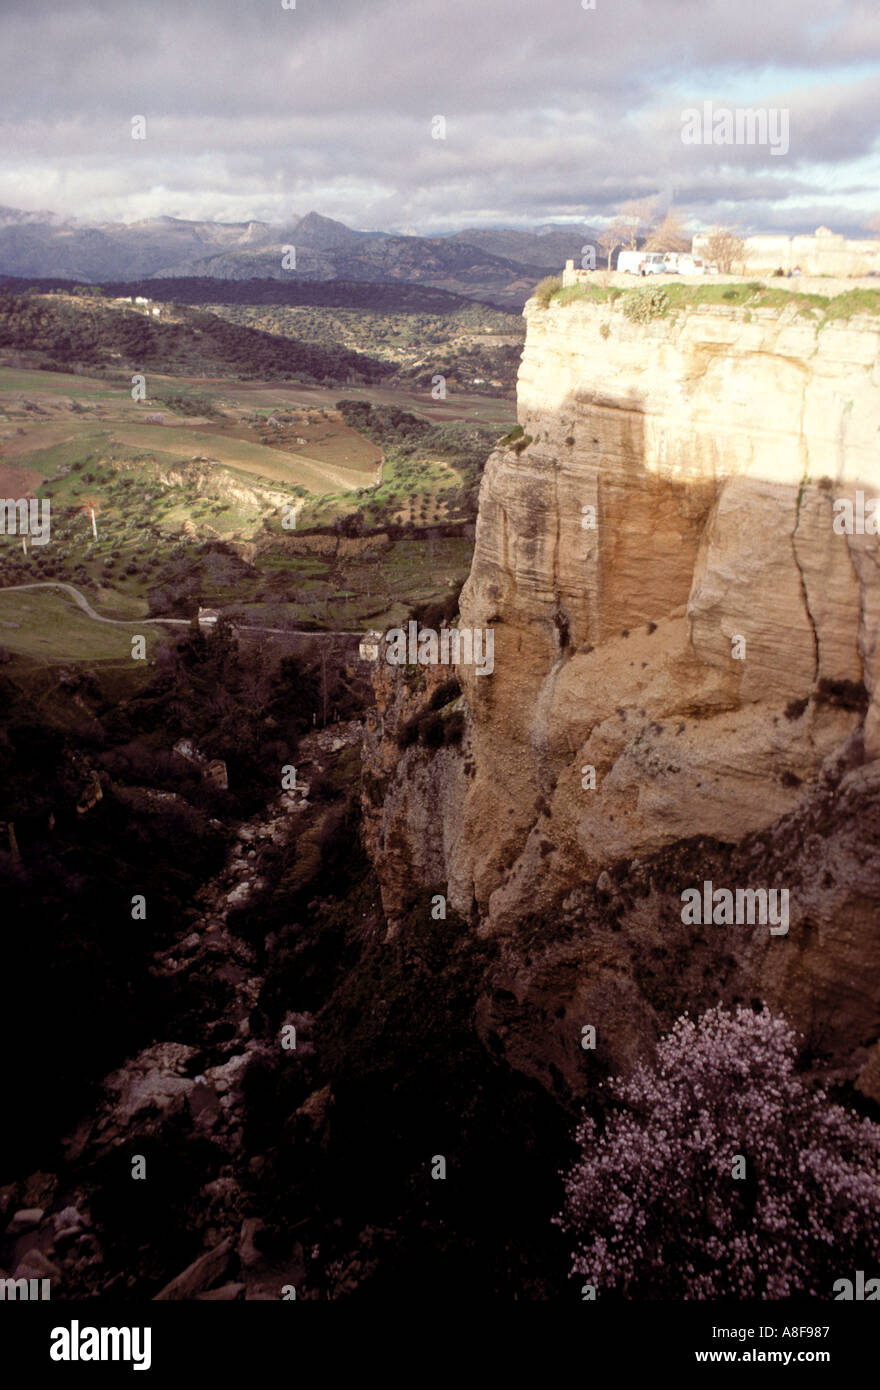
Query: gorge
[(493, 889)]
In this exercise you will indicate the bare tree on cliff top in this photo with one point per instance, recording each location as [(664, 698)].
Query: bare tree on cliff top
[(636, 217), (670, 234), (722, 1172), (613, 236), (723, 246)]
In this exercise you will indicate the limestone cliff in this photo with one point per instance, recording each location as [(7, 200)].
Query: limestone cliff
[(673, 608)]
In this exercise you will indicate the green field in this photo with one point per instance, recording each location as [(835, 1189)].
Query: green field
[(188, 512), (46, 627), (274, 465), (61, 384)]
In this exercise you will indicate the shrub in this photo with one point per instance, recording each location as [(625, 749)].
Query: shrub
[(572, 293), (545, 290), (449, 690), (795, 708), (604, 330), (646, 304), (848, 695), (431, 729), (408, 733), (651, 1202), (453, 727)]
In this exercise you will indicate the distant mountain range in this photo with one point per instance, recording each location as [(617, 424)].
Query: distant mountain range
[(497, 265)]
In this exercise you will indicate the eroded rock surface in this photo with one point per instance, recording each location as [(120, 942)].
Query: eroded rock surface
[(668, 506)]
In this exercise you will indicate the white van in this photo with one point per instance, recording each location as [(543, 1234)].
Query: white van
[(690, 265), (642, 262)]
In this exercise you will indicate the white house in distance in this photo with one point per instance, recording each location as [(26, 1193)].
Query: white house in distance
[(822, 253), (141, 302), (368, 647)]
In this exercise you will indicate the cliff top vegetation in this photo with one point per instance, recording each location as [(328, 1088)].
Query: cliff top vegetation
[(749, 294)]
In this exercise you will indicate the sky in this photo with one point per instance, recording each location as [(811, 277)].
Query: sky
[(550, 111)]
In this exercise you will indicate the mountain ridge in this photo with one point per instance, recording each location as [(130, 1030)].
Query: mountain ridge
[(500, 264)]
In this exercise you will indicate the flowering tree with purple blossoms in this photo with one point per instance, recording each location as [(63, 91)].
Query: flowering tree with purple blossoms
[(653, 1204)]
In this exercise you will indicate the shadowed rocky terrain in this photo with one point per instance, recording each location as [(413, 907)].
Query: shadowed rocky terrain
[(396, 959)]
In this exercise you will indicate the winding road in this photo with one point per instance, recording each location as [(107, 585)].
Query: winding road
[(82, 602)]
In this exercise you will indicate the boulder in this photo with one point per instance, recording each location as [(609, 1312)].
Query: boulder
[(25, 1219), (198, 1276)]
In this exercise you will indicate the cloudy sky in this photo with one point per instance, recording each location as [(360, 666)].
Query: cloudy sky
[(552, 111)]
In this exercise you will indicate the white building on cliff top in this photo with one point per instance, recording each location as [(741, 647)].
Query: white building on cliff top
[(822, 253)]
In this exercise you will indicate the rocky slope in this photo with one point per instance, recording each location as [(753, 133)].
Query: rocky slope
[(186, 1225), (673, 610)]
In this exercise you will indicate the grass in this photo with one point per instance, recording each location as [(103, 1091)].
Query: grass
[(753, 294), (81, 444), (51, 629), (60, 384), (596, 294), (852, 302), (401, 476), (291, 469)]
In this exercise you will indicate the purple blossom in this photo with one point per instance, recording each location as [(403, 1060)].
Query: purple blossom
[(652, 1203)]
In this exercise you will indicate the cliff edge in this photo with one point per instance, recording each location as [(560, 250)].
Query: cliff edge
[(685, 682)]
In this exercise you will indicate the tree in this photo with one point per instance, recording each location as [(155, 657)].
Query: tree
[(636, 218), (670, 235), (90, 506), (654, 1202), (723, 247), (613, 236)]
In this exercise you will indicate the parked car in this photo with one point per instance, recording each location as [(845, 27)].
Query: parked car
[(642, 262)]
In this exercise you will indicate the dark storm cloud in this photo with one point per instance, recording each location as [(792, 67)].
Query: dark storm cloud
[(551, 110)]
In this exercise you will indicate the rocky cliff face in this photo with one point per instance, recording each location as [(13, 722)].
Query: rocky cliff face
[(686, 683)]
